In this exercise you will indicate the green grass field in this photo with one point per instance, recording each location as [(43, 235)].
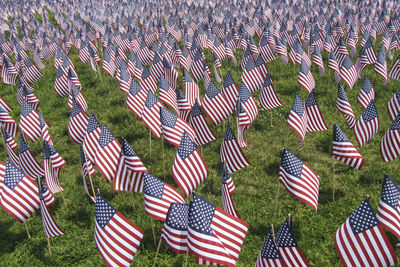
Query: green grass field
[(256, 196)]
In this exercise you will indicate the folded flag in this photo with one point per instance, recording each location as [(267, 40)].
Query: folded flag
[(344, 150)]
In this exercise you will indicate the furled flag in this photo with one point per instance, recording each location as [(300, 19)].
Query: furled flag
[(230, 91), (108, 153), (32, 74), (288, 247), (215, 104), (189, 169), (213, 234), (343, 105), (317, 60), (388, 213), (305, 78), (269, 255), (80, 99), (367, 93), (394, 71), (381, 66), (87, 171), (191, 89), (158, 196), (44, 129), (344, 150), (51, 228), (203, 132), (268, 97), (348, 72), (7, 122), (167, 94), (367, 126), (315, 121), (129, 174), (136, 99), (390, 143), (10, 145), (228, 188), (117, 238), (333, 65), (173, 127), (174, 231), (393, 106), (27, 161), (47, 196), (297, 119), (19, 193), (183, 105), (151, 114), (91, 138), (361, 241), (8, 72), (251, 76), (299, 179), (52, 163), (29, 121), (78, 122), (170, 73), (231, 153)]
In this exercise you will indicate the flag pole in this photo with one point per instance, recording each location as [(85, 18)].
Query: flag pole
[(48, 244), (277, 200), (158, 249), (27, 231), (90, 177), (290, 220), (163, 156), (273, 233), (150, 141), (48, 239), (187, 256), (152, 229)]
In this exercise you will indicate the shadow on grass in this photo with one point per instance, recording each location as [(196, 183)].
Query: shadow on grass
[(368, 179), (325, 195), (272, 168), (10, 240), (324, 144)]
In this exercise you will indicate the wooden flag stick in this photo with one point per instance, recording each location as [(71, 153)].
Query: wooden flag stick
[(333, 179), (187, 256), (163, 157), (150, 141), (48, 244), (90, 177), (98, 71), (27, 231), (290, 220), (152, 229), (158, 249), (276, 200), (273, 233)]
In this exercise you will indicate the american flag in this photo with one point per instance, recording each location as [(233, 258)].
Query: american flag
[(249, 104), (125, 78), (151, 114), (7, 122), (174, 231), (145, 54), (393, 106), (189, 169), (27, 94), (173, 127), (78, 122), (367, 125), (361, 241), (269, 255), (170, 73), (230, 91), (367, 93), (19, 193), (315, 121), (191, 89), (394, 71), (117, 238), (344, 150), (87, 171), (281, 50), (388, 213), (268, 97), (203, 132), (129, 174), (138, 69), (228, 188), (8, 72), (5, 105), (108, 63), (333, 65), (76, 93), (317, 60), (61, 85), (251, 76), (299, 179), (91, 138), (158, 196), (231, 153), (343, 105), (44, 129), (136, 98), (183, 105), (32, 74), (167, 94), (288, 247), (29, 121), (305, 78), (215, 104), (27, 161), (297, 119), (47, 196), (213, 234), (197, 66), (348, 72), (52, 163), (390, 143), (341, 52), (107, 154), (10, 145), (266, 50), (381, 66), (51, 229)]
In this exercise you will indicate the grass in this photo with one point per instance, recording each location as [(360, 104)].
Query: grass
[(256, 195)]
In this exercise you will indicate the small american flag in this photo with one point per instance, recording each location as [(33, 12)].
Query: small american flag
[(299, 179), (248, 103), (61, 82), (136, 99), (78, 122), (126, 236), (32, 74), (191, 89), (215, 104), (251, 76), (203, 131), (27, 161), (52, 163), (381, 66), (343, 105), (348, 72), (170, 73), (8, 72), (47, 196), (305, 78), (7, 122), (268, 97), (367, 126), (125, 78), (158, 197), (394, 71), (29, 121), (91, 138), (390, 143), (183, 105), (344, 150), (167, 94), (333, 65), (174, 231), (269, 255), (10, 145), (151, 114), (297, 119), (317, 60), (44, 129), (230, 91), (367, 93), (361, 241), (315, 121), (228, 188)]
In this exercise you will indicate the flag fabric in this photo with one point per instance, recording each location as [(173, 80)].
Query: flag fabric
[(230, 91), (117, 238), (361, 241), (32, 74), (333, 65), (297, 119), (29, 121), (10, 145), (51, 228), (299, 179), (388, 213), (7, 122), (91, 138), (390, 143), (78, 122), (268, 97), (173, 127), (203, 132), (87, 171), (183, 105), (174, 231), (381, 66), (367, 126), (394, 71), (19, 195), (136, 99), (129, 174), (343, 105), (147, 81), (107, 154), (344, 150), (317, 60), (315, 121), (251, 76), (228, 188), (48, 198), (231, 153), (213, 234), (393, 106), (167, 94), (269, 255), (348, 72), (191, 89), (170, 73), (305, 78), (52, 163), (288, 247), (189, 169), (215, 104), (158, 196), (8, 72), (125, 78), (61, 83), (249, 104), (27, 161), (367, 93), (151, 114), (44, 129)]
